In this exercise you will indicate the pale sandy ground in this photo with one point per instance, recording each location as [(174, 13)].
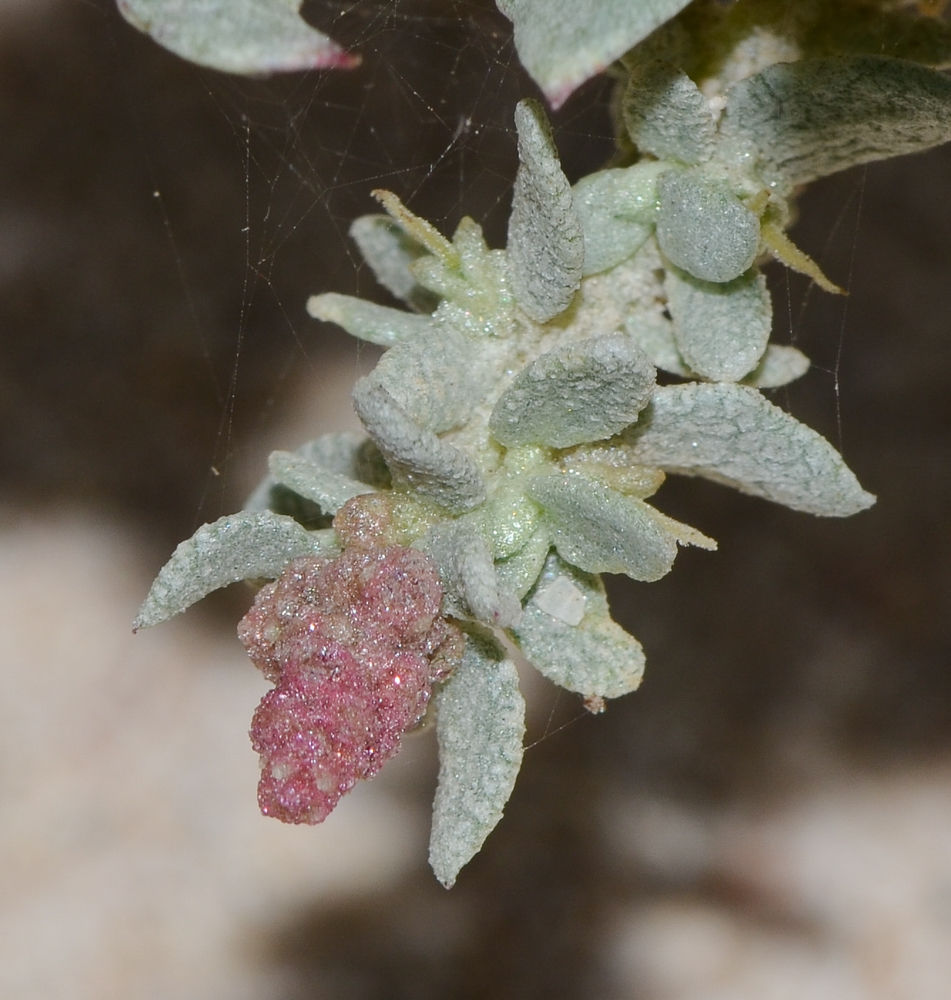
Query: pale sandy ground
[(844, 894)]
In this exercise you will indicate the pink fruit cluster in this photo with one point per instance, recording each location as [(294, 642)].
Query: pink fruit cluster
[(353, 645)]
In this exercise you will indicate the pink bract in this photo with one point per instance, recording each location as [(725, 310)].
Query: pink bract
[(353, 645)]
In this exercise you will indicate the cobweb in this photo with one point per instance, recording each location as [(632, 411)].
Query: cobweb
[(428, 115)]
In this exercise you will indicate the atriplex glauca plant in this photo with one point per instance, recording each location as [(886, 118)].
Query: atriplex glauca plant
[(515, 426)]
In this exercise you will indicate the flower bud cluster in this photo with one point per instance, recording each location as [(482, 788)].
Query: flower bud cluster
[(353, 645)]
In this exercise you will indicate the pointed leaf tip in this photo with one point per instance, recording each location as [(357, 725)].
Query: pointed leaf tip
[(545, 238), (237, 36), (562, 43), (480, 725), (237, 547), (802, 120), (735, 436)]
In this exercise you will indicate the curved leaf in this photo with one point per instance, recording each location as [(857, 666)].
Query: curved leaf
[(389, 251), (582, 391), (780, 366), (329, 490), (366, 320), (733, 435), (480, 725), (616, 208), (721, 328), (567, 633), (545, 241), (237, 36), (438, 377), (466, 570), (236, 547), (794, 122), (602, 531), (517, 574), (666, 115), (435, 468), (562, 43)]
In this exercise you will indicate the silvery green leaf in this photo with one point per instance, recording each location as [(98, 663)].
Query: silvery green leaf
[(616, 208), (236, 547), (794, 122), (567, 633), (654, 335), (517, 574), (780, 366), (545, 241), (562, 43), (468, 575), (602, 531), (329, 490), (434, 468), (353, 456), (721, 328), (439, 377), (508, 517), (389, 251), (480, 725), (237, 36), (582, 391), (703, 227), (348, 454), (366, 320), (666, 115), (733, 435)]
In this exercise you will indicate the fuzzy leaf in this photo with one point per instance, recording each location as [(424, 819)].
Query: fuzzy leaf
[(480, 725), (545, 241), (366, 320), (237, 36), (666, 115), (439, 377), (390, 252), (721, 329), (582, 391), (733, 435), (352, 456), (703, 227), (329, 490), (799, 121), (562, 43), (780, 366), (236, 547), (434, 468), (616, 209), (602, 531), (654, 335), (567, 633), (468, 576), (517, 574), (348, 454)]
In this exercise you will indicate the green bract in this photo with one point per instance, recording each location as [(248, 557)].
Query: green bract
[(515, 427)]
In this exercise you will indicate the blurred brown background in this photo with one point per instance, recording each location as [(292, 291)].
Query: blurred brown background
[(768, 817)]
